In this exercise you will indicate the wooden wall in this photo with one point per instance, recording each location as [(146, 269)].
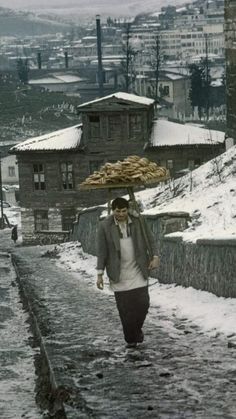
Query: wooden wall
[(230, 49)]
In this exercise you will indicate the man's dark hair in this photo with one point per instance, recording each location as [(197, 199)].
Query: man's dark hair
[(119, 203)]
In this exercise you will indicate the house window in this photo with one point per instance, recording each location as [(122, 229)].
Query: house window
[(67, 175), (135, 125), (67, 219), (39, 177), (164, 90), (94, 165), (114, 127), (192, 164), (169, 164), (11, 171), (41, 220), (94, 124)]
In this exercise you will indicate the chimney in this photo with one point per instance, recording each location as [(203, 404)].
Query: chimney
[(39, 60), (99, 52), (66, 60)]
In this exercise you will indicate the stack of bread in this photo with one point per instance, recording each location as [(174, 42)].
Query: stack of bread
[(133, 169)]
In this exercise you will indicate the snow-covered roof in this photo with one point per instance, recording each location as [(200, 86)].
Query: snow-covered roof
[(57, 79), (166, 133), (89, 37), (181, 9), (175, 68), (46, 80), (122, 96), (64, 139), (68, 78), (173, 76), (156, 14)]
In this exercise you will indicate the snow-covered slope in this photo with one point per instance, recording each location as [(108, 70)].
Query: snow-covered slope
[(207, 193)]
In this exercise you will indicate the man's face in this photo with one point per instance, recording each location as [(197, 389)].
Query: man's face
[(121, 214)]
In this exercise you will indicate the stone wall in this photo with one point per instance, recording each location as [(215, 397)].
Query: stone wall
[(53, 235), (207, 265)]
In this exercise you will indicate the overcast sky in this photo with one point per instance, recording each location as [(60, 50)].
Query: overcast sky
[(89, 7), (36, 4)]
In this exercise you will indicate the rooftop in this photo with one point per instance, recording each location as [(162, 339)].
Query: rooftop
[(64, 139), (127, 97), (166, 133)]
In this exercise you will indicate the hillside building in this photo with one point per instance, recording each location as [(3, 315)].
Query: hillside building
[(52, 166)]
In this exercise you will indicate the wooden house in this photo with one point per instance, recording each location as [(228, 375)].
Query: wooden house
[(52, 166), (183, 147)]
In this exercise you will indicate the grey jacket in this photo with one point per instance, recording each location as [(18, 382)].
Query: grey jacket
[(108, 247)]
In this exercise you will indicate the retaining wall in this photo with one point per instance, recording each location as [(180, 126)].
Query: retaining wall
[(207, 264)]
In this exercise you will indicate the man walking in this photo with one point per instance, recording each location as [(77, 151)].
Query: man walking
[(14, 234), (122, 250)]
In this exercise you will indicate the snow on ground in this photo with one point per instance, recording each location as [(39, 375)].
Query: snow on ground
[(214, 315), (13, 215), (207, 193), (17, 376)]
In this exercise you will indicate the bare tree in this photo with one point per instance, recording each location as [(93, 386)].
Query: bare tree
[(217, 163), (176, 186), (155, 63), (127, 65)]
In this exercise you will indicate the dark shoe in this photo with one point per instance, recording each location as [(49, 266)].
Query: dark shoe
[(140, 337), (131, 345)]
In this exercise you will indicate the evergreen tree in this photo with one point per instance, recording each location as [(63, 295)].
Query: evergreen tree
[(155, 64), (23, 70), (199, 93)]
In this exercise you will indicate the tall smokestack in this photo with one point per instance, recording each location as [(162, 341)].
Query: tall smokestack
[(66, 60), (39, 60), (99, 51)]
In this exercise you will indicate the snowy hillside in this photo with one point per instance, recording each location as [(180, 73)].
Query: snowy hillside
[(208, 194), (78, 8), (15, 23)]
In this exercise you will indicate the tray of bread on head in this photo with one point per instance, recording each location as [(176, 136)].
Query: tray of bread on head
[(130, 172)]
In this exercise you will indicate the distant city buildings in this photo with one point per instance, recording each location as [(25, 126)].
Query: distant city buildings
[(184, 35)]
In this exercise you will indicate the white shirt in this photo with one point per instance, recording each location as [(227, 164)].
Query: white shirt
[(130, 274)]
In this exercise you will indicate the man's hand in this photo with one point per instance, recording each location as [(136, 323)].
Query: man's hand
[(155, 262), (100, 281)]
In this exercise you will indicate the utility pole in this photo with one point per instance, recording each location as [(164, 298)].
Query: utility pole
[(207, 78), (1, 196), (156, 67), (66, 60), (39, 60), (99, 53)]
